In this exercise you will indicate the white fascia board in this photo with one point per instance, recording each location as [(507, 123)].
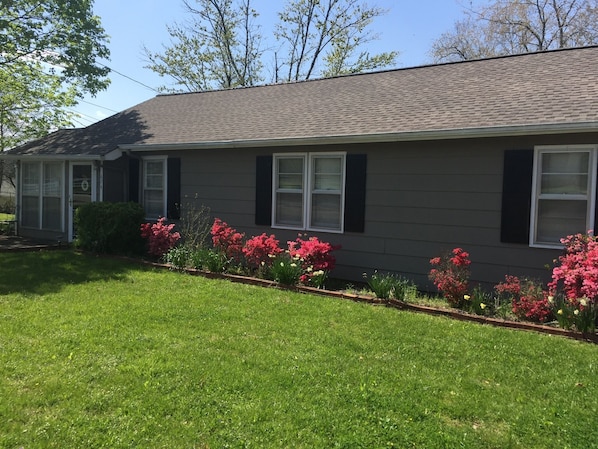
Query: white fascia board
[(464, 133), (111, 156)]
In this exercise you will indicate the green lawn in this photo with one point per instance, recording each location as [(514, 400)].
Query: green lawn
[(96, 352)]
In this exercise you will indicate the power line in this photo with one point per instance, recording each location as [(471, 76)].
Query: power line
[(129, 78), (98, 106)]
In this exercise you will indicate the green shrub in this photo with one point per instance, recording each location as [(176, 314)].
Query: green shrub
[(180, 257), (387, 285), (113, 228)]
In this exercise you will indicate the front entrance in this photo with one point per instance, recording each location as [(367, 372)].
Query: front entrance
[(82, 191)]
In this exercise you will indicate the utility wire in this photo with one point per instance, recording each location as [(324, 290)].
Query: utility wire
[(129, 78)]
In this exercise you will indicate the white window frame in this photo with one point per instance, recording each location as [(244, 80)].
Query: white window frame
[(144, 186), (589, 197), (308, 190), (41, 193)]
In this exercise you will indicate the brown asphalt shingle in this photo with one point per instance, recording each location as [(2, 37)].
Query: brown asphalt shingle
[(557, 87)]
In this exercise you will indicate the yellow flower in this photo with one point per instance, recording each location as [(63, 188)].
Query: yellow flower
[(560, 312), (466, 297), (482, 306), (576, 312), (583, 302), (551, 299), (293, 265)]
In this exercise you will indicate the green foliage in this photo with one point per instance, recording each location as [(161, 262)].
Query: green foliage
[(55, 33), (285, 269), (48, 58), (101, 353), (113, 228), (389, 285), (179, 257)]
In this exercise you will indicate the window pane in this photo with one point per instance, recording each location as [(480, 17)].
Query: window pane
[(154, 174), (326, 211), (31, 176), (327, 173), (570, 162), (51, 214), (153, 203), (565, 173), (52, 179), (574, 184), (290, 165), (294, 182), (558, 219), (289, 209), (290, 173), (30, 212)]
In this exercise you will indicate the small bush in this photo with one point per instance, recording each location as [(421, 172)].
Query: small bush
[(286, 270), (450, 275), (388, 285), (529, 300), (110, 228), (180, 257)]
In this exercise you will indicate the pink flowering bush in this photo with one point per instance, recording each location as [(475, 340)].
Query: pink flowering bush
[(227, 240), (316, 259), (260, 250), (529, 300), (160, 237), (450, 275), (576, 274)]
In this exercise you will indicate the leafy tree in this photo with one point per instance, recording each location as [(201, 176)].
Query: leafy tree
[(218, 48), (505, 27), (48, 57), (221, 46), (326, 34)]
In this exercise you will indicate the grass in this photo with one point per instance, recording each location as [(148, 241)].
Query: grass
[(101, 353)]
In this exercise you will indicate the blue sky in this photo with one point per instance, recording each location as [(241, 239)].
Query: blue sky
[(410, 27)]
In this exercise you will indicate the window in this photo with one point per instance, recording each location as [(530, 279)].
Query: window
[(154, 187), (308, 191), (563, 193), (41, 195)]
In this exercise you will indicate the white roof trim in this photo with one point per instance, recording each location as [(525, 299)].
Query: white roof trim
[(465, 133), (111, 156)]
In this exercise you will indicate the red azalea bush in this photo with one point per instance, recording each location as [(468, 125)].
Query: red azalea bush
[(260, 250), (315, 256), (451, 276), (160, 237), (528, 299), (227, 240)]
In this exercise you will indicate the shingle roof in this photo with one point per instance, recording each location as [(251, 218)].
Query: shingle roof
[(556, 88)]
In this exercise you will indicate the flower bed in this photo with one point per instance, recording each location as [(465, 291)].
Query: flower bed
[(304, 264)]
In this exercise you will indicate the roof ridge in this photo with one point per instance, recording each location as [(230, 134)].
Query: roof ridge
[(375, 72)]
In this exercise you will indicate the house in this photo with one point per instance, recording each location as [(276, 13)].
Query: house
[(497, 156)]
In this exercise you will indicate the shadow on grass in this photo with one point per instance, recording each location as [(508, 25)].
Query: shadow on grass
[(46, 272)]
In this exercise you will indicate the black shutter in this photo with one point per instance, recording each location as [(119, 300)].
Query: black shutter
[(355, 181), (263, 191), (173, 188), (516, 196), (134, 180)]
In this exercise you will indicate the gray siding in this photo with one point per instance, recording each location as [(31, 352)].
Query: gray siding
[(422, 199)]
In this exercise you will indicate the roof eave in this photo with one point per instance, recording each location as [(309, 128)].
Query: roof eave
[(441, 134), (110, 156)]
